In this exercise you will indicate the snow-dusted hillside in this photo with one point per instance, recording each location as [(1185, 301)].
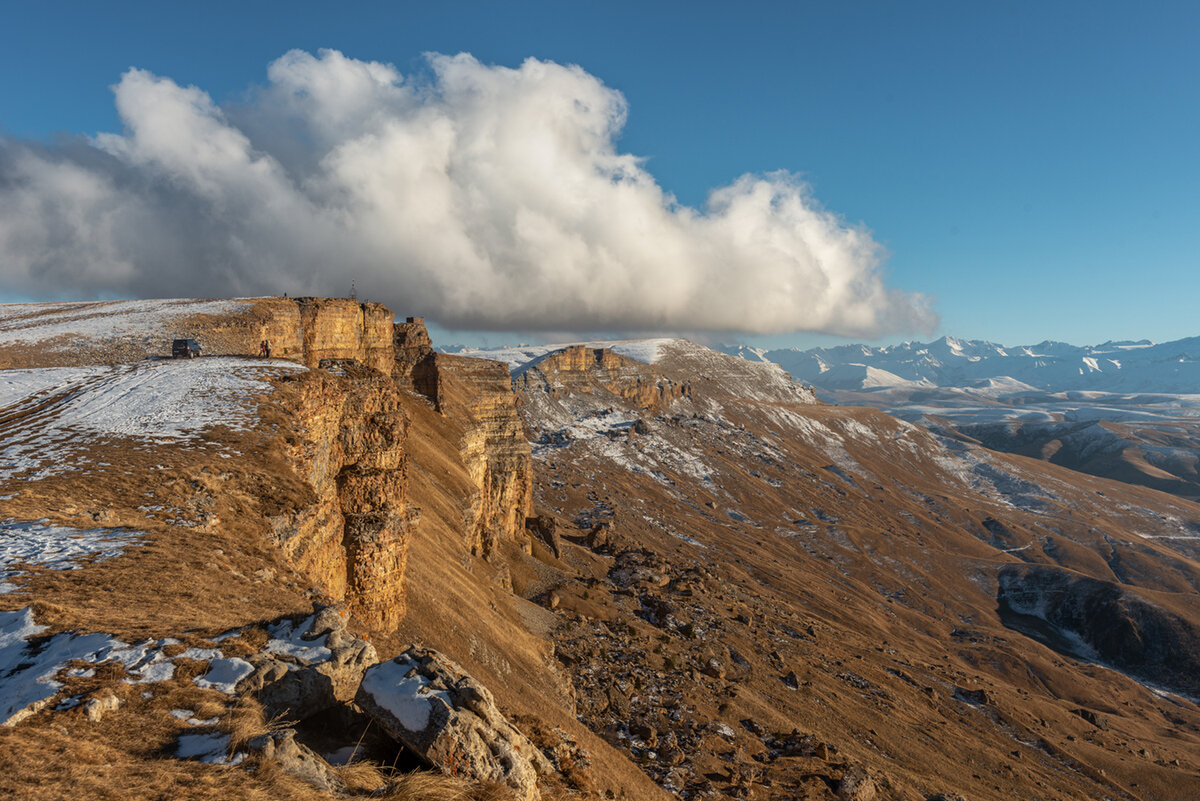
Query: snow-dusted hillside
[(1125, 410)]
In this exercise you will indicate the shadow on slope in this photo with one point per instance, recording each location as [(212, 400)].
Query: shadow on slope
[(1102, 622)]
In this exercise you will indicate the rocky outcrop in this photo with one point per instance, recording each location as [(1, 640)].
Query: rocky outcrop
[(450, 721), (476, 394), (352, 541), (309, 667), (337, 328), (304, 330), (579, 368), (494, 447), (415, 366), (544, 528), (296, 759)]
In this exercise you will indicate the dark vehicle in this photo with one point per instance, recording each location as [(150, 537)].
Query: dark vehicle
[(185, 349)]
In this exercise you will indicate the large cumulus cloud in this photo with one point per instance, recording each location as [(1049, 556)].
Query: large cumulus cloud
[(484, 197)]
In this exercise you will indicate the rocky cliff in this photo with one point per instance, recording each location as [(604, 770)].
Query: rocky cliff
[(414, 367), (579, 368), (350, 447), (477, 394), (304, 330), (334, 328), (352, 540), (494, 447), (236, 492)]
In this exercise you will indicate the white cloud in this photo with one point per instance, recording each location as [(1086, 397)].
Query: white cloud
[(482, 197)]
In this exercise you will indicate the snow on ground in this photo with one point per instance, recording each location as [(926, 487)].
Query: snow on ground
[(604, 432), (977, 469), (30, 386), (39, 322), (151, 401), (823, 437), (30, 664), (211, 748), (224, 674), (56, 547)]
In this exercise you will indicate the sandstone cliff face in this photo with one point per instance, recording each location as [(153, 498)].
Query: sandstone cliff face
[(305, 330), (414, 367), (577, 368), (336, 328), (352, 542), (494, 447), (476, 394)]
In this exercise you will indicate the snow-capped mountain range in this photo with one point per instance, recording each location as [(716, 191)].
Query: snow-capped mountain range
[(1169, 367), (1123, 410)]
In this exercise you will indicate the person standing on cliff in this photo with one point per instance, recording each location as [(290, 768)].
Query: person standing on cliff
[(267, 348)]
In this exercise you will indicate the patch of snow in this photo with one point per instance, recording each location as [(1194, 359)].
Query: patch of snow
[(342, 756), (290, 639), (646, 351), (30, 386), (56, 547), (203, 654), (405, 696), (189, 716), (212, 749), (27, 670), (41, 322), (144, 661), (724, 730), (152, 401), (224, 674)]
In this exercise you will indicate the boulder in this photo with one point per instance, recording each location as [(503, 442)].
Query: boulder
[(545, 528), (857, 785), (1091, 717), (600, 537), (297, 760), (105, 701), (450, 721), (308, 667), (977, 697)]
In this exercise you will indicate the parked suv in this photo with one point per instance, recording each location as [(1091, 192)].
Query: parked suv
[(185, 349)]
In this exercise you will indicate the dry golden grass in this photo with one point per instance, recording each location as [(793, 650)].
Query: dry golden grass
[(361, 777), (48, 763), (244, 722), (425, 786)]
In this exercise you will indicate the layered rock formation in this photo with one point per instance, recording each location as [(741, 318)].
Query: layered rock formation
[(305, 330), (578, 368), (352, 541), (336, 328), (415, 366), (477, 394), (494, 447)]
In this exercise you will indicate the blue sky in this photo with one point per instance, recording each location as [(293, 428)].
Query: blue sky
[(1032, 166)]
